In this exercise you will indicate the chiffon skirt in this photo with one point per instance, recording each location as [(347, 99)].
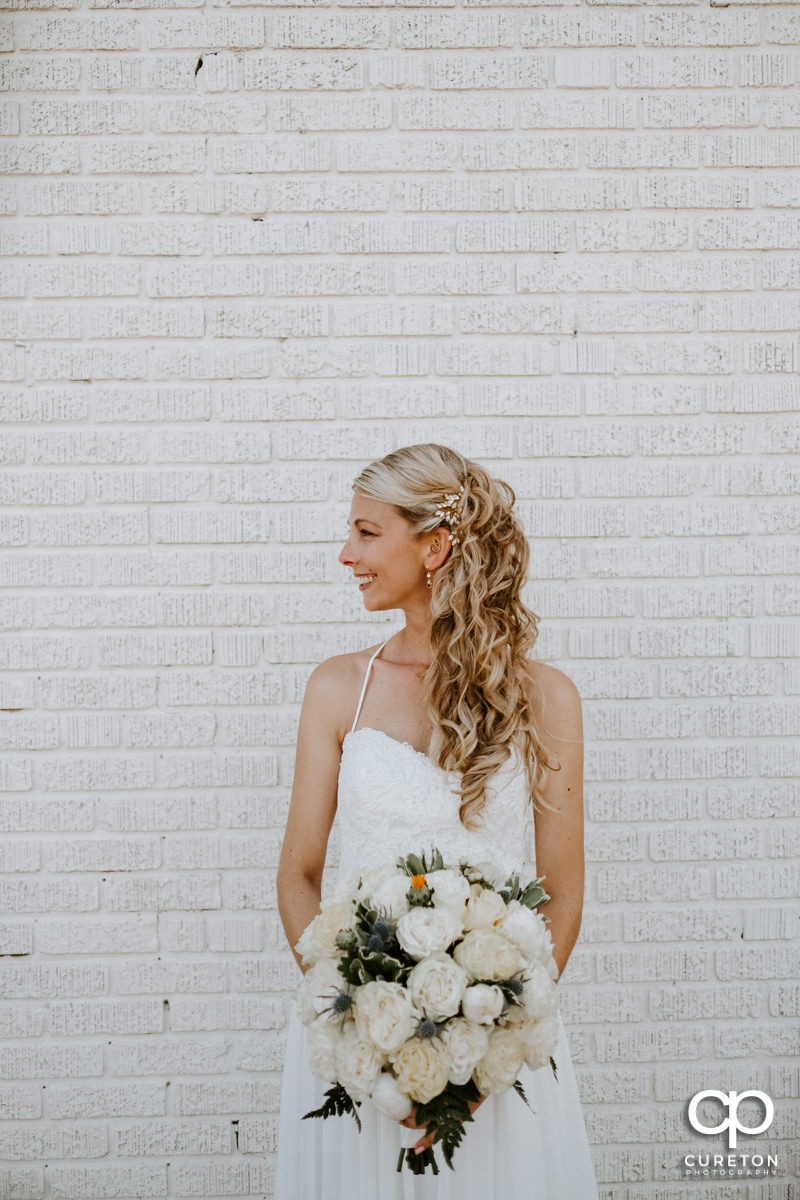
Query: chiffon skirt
[(507, 1149)]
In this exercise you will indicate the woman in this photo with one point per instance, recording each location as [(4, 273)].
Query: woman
[(446, 734)]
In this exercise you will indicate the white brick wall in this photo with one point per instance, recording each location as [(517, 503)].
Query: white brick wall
[(566, 240)]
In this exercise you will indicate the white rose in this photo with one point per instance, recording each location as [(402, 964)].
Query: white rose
[(388, 896), (527, 930), (538, 1038), (358, 1063), (318, 939), (485, 908), (487, 954), (388, 1099), (502, 1062), (436, 986), (424, 931), (539, 994), (372, 878), (465, 1044), (421, 1068), (450, 890), (318, 989), (369, 877), (346, 888), (322, 1038), (384, 1014), (482, 1003)]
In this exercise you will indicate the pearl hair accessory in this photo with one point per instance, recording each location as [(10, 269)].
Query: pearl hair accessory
[(450, 511)]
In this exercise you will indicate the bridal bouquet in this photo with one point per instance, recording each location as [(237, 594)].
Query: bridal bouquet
[(429, 986)]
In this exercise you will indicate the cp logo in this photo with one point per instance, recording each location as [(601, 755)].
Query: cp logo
[(731, 1101)]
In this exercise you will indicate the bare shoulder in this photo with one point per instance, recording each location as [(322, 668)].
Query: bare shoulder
[(334, 684), (556, 700)]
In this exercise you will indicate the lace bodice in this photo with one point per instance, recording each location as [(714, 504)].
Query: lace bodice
[(394, 800)]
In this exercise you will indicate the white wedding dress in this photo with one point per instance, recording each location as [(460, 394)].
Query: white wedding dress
[(392, 801)]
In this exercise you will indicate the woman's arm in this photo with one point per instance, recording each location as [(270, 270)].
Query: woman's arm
[(559, 828), (313, 803)]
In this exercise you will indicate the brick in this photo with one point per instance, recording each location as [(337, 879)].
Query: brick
[(588, 28), (96, 1183), (234, 30), (20, 1102), (37, 1062), (65, 1141), (161, 1055), (175, 1137), (101, 935), (101, 1100), (420, 31), (78, 33)]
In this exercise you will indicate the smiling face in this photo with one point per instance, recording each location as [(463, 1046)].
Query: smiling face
[(382, 549)]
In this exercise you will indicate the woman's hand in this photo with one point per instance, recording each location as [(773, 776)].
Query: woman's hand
[(424, 1143)]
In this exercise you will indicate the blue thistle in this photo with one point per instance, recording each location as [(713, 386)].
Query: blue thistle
[(427, 1028), (341, 1002)]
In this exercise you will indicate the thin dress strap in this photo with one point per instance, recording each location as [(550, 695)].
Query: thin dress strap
[(366, 681)]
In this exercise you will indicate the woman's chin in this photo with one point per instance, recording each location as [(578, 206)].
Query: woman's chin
[(373, 603)]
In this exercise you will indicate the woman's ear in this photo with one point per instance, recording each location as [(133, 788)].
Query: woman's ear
[(438, 549)]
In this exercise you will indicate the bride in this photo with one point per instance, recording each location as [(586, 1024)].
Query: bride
[(463, 742)]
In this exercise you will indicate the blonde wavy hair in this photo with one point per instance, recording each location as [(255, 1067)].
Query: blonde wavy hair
[(476, 690)]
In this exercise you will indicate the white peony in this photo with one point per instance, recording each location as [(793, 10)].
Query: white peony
[(318, 939), (485, 908), (465, 1044), (384, 1014), (489, 871), (389, 1100), (538, 1038), (436, 986), (527, 930), (487, 954), (421, 1068), (322, 1038), (318, 988), (358, 1063), (424, 931), (539, 994), (482, 1003), (450, 890), (501, 1064)]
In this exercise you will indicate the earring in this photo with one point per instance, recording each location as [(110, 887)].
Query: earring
[(429, 578)]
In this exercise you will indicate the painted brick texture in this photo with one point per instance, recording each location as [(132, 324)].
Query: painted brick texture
[(248, 247)]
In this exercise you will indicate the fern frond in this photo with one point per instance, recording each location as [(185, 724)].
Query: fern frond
[(519, 1089), (337, 1102)]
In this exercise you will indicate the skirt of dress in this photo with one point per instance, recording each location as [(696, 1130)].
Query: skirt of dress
[(507, 1150)]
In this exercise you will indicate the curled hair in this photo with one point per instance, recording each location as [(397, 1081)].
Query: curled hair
[(476, 691)]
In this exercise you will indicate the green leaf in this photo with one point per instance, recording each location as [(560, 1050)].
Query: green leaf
[(446, 1115), (337, 1102), (519, 1089), (415, 867)]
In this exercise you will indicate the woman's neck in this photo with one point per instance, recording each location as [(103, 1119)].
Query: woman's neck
[(413, 645)]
